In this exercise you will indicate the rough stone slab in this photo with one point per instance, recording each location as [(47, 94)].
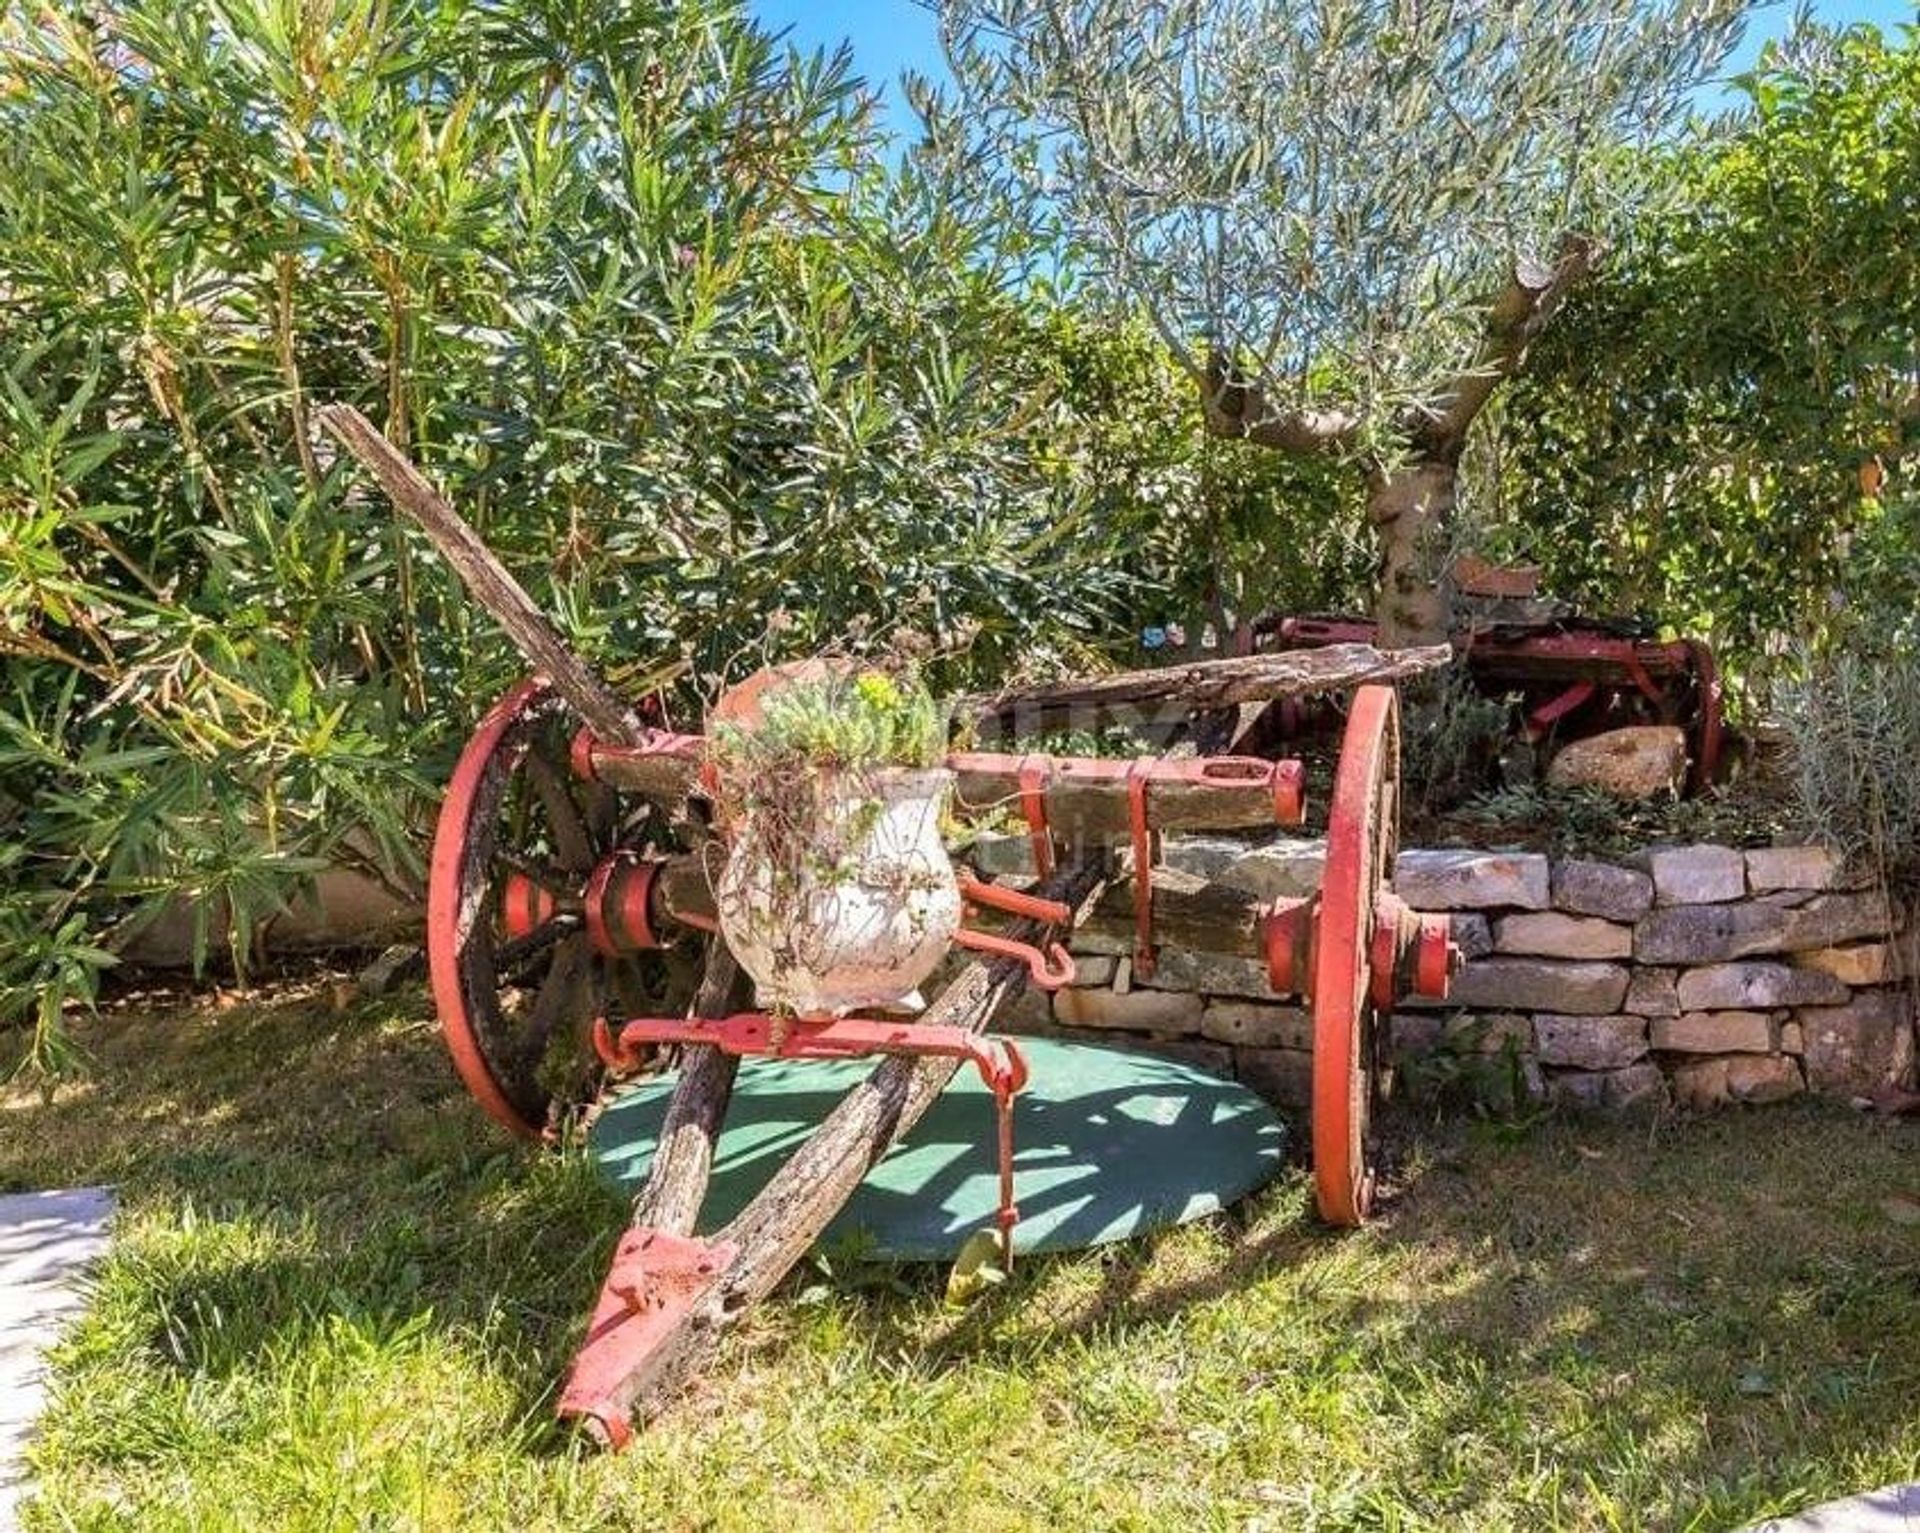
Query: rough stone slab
[(1001, 853), (1142, 1011), (1861, 1047), (1179, 968), (1714, 1032), (1698, 934), (1472, 933), (1251, 1025), (1867, 963), (1745, 986), (1601, 889), (1282, 1076), (1589, 1043), (1284, 867), (1793, 1038), (1764, 1078), (1541, 984), (1094, 971), (1205, 857), (1472, 880), (1554, 934), (1796, 867), (48, 1240), (1651, 992), (1697, 875)]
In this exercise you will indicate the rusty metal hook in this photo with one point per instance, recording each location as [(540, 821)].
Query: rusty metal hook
[(1049, 969)]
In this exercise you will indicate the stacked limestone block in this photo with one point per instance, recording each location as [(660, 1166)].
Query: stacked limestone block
[(1691, 975)]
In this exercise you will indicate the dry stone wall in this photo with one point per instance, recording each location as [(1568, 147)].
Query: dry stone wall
[(1689, 976)]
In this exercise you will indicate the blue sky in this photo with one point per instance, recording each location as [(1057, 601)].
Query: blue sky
[(893, 35)]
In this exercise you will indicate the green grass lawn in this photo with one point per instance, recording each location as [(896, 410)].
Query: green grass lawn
[(339, 1299)]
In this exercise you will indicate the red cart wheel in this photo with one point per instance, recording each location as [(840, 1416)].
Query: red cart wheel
[(1363, 832), (518, 976)]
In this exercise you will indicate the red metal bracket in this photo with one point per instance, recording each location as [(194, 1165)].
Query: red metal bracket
[(1001, 1064), (1033, 776), (977, 891), (1139, 775), (655, 1281), (1048, 970), (618, 905)]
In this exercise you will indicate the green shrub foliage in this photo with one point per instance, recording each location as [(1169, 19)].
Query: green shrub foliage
[(637, 284), (1729, 420)]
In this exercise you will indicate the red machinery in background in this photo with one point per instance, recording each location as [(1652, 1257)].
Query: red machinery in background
[(1574, 677)]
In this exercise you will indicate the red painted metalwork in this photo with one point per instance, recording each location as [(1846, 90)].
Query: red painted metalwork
[(1002, 1067), (618, 905), (656, 1279), (1543, 717), (1287, 929), (1049, 970), (1139, 775), (976, 891), (1361, 832), (525, 906), (1678, 678), (1032, 774), (456, 906)]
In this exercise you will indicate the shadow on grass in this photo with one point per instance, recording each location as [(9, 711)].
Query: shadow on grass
[(1679, 1325)]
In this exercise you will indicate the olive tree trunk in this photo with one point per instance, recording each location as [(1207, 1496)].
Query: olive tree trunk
[(1410, 508)]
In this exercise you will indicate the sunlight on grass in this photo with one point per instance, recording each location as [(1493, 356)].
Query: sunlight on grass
[(338, 1300)]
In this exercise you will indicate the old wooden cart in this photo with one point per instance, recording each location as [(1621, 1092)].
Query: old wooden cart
[(567, 894)]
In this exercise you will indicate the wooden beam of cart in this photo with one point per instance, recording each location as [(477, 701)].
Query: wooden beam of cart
[(1204, 684)]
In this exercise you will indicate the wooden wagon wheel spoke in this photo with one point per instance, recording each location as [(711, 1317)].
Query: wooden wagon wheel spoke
[(559, 995), (512, 959), (573, 841)]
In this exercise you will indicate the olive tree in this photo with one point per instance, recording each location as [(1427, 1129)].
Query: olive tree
[(1348, 218)]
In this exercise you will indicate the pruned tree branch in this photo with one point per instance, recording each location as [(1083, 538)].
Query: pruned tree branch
[(1234, 408), (1519, 313)]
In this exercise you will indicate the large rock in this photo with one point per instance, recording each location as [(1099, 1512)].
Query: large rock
[(1145, 1011), (1188, 969), (1249, 1024), (1286, 867), (1868, 963), (1472, 880), (1652, 993), (1553, 934), (1471, 932), (1601, 889), (1541, 984), (1744, 986), (1697, 875), (1704, 1083), (1714, 1032), (1639, 762), (1697, 934), (1861, 1047), (1589, 1043), (1203, 856), (1796, 867)]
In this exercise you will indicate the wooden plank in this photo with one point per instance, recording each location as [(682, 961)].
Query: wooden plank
[(1205, 684)]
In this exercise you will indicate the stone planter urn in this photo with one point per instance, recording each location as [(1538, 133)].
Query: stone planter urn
[(844, 898)]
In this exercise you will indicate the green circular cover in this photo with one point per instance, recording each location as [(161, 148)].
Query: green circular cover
[(1107, 1143)]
